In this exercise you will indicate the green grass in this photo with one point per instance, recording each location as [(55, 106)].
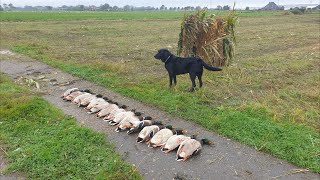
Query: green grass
[(43, 143), (135, 15), (268, 98)]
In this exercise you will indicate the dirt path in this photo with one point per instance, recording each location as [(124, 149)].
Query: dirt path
[(3, 166), (226, 160)]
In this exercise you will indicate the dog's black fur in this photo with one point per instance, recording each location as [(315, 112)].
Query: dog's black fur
[(178, 65)]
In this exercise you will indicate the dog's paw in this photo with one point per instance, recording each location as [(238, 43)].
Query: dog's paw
[(191, 89)]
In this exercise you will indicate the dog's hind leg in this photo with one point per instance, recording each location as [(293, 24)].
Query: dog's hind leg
[(199, 75), (193, 80)]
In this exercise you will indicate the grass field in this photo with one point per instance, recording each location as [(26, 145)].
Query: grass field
[(43, 143), (136, 15), (268, 98)]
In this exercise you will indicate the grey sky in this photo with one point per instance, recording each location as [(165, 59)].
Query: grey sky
[(157, 3)]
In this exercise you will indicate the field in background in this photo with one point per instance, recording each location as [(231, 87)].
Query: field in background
[(135, 15), (268, 98)]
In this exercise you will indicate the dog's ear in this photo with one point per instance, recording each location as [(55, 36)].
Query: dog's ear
[(165, 51)]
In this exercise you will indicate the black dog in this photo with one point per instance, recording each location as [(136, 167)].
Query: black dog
[(178, 65)]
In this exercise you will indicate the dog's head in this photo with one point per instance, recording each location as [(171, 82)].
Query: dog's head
[(163, 55)]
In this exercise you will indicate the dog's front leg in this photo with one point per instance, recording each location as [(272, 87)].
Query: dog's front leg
[(175, 80), (170, 80)]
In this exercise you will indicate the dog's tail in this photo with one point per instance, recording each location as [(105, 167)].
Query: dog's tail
[(210, 68)]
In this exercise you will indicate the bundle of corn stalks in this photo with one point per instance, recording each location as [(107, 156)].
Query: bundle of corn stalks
[(209, 37)]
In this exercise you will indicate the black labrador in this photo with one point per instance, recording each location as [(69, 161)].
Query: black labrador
[(178, 65)]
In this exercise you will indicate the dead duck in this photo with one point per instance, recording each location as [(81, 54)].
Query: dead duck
[(138, 126), (114, 112), (147, 133), (69, 91), (120, 116), (94, 102), (161, 137), (174, 142), (86, 101), (130, 122), (78, 99), (99, 107), (112, 107), (73, 95), (190, 147)]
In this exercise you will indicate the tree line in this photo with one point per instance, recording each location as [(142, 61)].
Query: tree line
[(105, 7)]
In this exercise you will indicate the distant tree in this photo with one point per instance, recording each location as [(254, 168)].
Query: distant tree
[(127, 8), (175, 8), (219, 7), (162, 7), (105, 7), (1, 8), (247, 8), (188, 8), (226, 7), (115, 8), (298, 10), (64, 7), (178, 8), (198, 8), (81, 7), (192, 8), (92, 8), (11, 7), (49, 8)]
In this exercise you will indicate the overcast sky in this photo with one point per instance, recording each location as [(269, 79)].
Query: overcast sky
[(156, 3)]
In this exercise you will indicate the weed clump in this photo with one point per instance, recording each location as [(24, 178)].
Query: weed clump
[(210, 38)]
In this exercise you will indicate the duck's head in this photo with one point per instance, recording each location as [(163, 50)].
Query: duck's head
[(164, 149), (180, 131), (139, 139), (206, 141), (157, 123), (180, 157), (152, 145), (118, 129), (99, 95), (137, 113), (86, 90)]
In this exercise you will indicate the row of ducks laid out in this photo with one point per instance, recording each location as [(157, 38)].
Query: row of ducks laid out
[(154, 133)]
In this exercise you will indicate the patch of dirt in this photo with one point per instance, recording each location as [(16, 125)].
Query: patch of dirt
[(4, 165), (226, 160)]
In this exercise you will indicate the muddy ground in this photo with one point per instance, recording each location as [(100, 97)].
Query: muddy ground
[(225, 160)]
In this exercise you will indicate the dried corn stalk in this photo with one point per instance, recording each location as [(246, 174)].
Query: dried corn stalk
[(210, 38)]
